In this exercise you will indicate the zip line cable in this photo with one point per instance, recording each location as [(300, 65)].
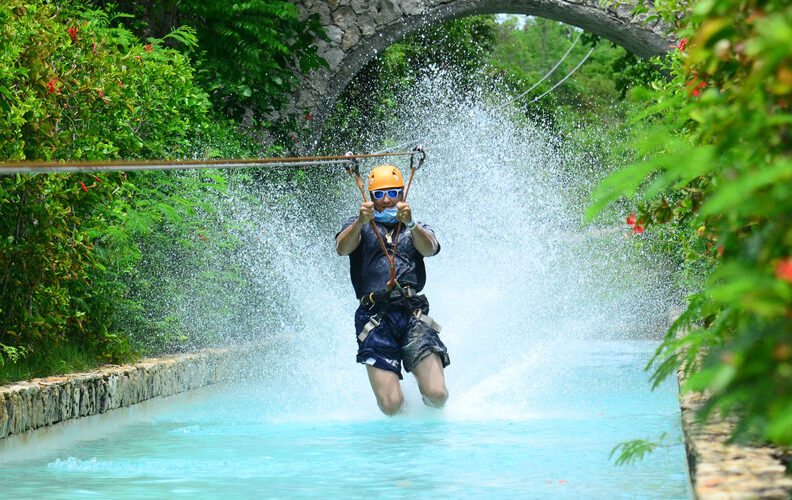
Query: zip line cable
[(566, 77), (558, 63), (131, 166), (551, 70)]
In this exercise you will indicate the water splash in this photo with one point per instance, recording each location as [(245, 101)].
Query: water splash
[(519, 277)]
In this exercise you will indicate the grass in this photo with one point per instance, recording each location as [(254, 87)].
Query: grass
[(57, 360)]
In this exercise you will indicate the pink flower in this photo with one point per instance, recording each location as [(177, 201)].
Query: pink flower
[(783, 269)]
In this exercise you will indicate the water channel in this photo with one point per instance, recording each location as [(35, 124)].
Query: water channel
[(549, 324)]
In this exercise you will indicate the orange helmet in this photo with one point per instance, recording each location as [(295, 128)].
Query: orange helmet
[(385, 176)]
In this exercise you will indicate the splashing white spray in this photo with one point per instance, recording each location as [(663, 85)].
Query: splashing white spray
[(520, 284)]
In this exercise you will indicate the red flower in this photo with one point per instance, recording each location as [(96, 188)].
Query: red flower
[(101, 94), (98, 179), (682, 44), (51, 85), (139, 58), (636, 224), (85, 188), (124, 175), (696, 91), (93, 49), (148, 48), (120, 84), (73, 33), (293, 136), (309, 116), (783, 269)]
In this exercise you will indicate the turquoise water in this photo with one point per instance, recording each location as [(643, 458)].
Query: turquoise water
[(244, 441), (549, 323)]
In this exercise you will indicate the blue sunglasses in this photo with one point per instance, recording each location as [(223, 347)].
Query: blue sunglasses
[(380, 193)]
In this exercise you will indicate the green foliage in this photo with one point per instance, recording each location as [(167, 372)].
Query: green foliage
[(247, 55), (72, 246), (522, 56), (712, 171), (251, 52), (91, 91), (630, 452)]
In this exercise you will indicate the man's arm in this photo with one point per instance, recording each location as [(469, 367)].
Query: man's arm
[(423, 240), (349, 239)]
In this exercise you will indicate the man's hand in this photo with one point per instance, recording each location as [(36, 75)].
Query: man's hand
[(403, 212), (366, 213)]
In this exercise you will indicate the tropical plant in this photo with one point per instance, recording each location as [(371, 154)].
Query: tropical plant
[(74, 87), (714, 165)]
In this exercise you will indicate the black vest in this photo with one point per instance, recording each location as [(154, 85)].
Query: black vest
[(369, 267)]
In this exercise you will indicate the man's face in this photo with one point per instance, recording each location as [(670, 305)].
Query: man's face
[(386, 200)]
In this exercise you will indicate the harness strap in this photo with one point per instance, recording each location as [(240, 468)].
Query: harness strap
[(387, 296), (426, 320), (373, 323)]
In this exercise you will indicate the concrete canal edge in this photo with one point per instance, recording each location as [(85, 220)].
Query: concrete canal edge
[(720, 470), (26, 406)]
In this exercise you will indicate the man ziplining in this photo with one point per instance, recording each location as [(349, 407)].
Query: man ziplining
[(386, 248)]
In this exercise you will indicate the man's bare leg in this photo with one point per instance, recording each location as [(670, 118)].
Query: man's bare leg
[(431, 380), (387, 389)]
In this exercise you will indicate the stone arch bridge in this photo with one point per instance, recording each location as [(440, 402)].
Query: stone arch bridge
[(359, 29)]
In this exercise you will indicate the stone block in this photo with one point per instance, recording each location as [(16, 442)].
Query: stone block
[(351, 38), (333, 57), (359, 6), (384, 11), (334, 33), (412, 7), (344, 18), (323, 10), (366, 25)]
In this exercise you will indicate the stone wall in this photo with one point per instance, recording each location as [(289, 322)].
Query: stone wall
[(358, 30), (41, 402), (721, 471)]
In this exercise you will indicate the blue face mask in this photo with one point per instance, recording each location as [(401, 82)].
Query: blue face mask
[(387, 216)]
